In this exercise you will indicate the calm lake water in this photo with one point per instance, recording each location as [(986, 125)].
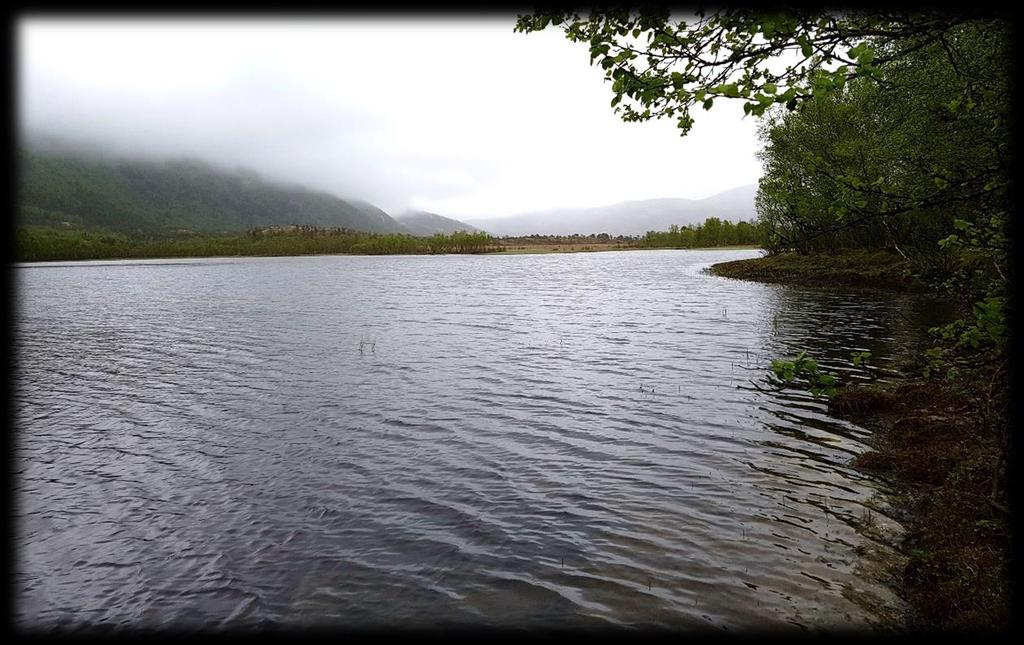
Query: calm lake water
[(522, 440)]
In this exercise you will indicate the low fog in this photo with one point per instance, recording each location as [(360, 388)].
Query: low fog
[(456, 116)]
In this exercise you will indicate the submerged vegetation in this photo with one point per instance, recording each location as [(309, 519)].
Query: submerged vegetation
[(806, 370), (887, 162)]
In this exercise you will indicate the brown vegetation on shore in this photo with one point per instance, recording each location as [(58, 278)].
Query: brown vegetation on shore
[(939, 441), (857, 269), (928, 442)]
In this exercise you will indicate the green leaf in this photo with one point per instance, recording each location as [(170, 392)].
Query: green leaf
[(805, 45)]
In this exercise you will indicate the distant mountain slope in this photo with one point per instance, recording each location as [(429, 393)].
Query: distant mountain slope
[(423, 223), (627, 218), (136, 195)]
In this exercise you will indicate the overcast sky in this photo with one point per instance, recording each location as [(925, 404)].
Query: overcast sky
[(458, 116)]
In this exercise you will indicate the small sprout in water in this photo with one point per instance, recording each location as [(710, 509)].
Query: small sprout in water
[(372, 344), (807, 370), (867, 518)]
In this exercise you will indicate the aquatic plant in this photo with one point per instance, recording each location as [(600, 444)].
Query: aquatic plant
[(805, 370)]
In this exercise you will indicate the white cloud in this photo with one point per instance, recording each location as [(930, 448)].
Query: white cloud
[(461, 117)]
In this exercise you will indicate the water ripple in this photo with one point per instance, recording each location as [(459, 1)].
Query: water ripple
[(506, 440)]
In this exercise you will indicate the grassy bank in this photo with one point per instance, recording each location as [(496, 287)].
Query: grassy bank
[(44, 244), (38, 244), (861, 269), (930, 441), (936, 441)]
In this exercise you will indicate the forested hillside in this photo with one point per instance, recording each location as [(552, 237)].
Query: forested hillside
[(74, 190), (423, 223)]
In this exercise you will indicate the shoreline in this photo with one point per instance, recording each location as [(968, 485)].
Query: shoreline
[(928, 444), (539, 251), (868, 270)]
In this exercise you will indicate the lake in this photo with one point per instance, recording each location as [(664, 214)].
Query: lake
[(566, 440)]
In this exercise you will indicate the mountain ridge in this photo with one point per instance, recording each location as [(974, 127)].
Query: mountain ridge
[(76, 189), (66, 185), (426, 223), (633, 217)]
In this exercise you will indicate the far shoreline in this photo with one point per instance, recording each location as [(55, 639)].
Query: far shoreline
[(529, 251)]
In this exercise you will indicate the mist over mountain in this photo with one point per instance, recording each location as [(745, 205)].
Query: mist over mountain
[(65, 183), (627, 218), (71, 185), (424, 223)]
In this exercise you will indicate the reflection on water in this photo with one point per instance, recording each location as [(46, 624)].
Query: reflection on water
[(559, 440)]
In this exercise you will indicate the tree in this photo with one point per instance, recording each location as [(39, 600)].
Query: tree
[(662, 67), (665, 67), (887, 128)]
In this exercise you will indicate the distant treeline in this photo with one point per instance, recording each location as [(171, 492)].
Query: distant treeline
[(535, 239), (713, 232), (36, 244), (40, 244)]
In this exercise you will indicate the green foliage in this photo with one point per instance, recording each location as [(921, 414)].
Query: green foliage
[(712, 232), (805, 372), (887, 163), (979, 337), (659, 67), (902, 165), (36, 244)]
